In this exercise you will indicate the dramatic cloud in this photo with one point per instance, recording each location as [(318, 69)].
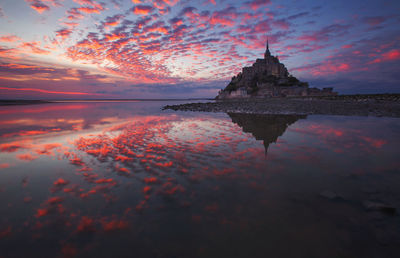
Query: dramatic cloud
[(140, 47)]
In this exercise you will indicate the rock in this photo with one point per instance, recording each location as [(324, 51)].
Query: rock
[(331, 195), (296, 106), (378, 206)]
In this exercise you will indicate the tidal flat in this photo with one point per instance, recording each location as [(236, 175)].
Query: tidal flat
[(351, 105), (123, 179)]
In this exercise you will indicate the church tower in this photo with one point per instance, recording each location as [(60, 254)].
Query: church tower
[(267, 53)]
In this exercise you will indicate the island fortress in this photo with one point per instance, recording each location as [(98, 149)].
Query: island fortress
[(268, 78)]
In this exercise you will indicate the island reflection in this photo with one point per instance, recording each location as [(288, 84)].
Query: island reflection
[(267, 128)]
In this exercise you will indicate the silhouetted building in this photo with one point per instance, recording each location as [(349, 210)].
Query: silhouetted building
[(268, 77)]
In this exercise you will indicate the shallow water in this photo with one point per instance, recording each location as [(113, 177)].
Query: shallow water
[(129, 180)]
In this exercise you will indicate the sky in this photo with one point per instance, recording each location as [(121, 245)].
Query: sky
[(87, 49)]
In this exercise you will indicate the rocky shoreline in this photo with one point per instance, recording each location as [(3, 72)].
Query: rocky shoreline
[(345, 105)]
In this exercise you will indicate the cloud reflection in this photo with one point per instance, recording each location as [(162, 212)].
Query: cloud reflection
[(105, 171)]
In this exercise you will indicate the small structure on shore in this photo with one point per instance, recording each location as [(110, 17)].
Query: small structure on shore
[(268, 77)]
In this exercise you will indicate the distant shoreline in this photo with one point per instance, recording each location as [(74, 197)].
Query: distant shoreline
[(14, 102), (387, 105)]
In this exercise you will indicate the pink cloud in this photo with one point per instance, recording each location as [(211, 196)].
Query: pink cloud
[(325, 68), (74, 14), (142, 9), (27, 157), (9, 38), (55, 3), (161, 4), (45, 91), (391, 55), (387, 56), (225, 17), (347, 46), (374, 21), (89, 10), (34, 47), (38, 6), (325, 33), (281, 24), (113, 20), (63, 33), (257, 4), (90, 3), (4, 165)]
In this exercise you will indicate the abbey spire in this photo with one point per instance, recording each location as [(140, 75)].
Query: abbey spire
[(267, 53)]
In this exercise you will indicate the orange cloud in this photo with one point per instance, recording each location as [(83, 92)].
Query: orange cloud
[(27, 157), (29, 133), (113, 37), (63, 33), (9, 38), (89, 10), (34, 47), (142, 9), (14, 146), (88, 2), (38, 6)]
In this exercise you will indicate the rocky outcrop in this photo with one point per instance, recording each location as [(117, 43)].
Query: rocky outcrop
[(268, 77), (387, 105)]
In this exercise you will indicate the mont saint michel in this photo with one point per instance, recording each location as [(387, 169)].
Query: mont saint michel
[(268, 77), (172, 129), (267, 87)]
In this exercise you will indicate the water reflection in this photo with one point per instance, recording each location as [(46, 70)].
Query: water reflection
[(265, 127), (125, 179)]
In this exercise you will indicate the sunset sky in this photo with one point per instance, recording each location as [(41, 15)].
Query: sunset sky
[(62, 49)]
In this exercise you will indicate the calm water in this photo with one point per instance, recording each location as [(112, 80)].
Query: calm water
[(130, 180)]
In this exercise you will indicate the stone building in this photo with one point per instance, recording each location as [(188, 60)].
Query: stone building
[(268, 77)]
